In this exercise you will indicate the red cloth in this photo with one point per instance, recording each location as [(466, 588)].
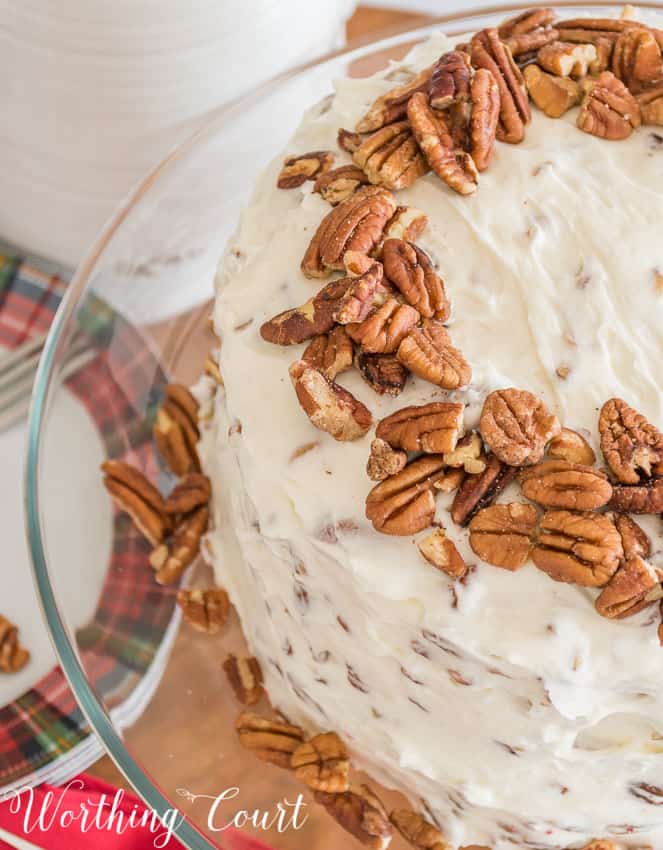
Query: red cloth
[(87, 791)]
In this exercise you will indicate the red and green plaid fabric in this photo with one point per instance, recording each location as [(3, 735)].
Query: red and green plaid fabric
[(117, 387)]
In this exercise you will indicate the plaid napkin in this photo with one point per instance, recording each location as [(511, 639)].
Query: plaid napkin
[(117, 647)]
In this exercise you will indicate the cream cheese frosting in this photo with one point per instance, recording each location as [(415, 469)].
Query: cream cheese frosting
[(503, 704)]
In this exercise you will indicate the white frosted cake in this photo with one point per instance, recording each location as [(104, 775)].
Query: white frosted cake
[(501, 686)]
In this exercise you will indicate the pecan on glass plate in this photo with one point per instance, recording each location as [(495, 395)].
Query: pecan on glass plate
[(417, 831), (634, 586), (528, 31), (356, 224), (137, 497), (580, 548), (331, 353), (609, 110), (206, 610), (189, 493), (517, 426), (302, 167), (323, 764), (485, 97), (432, 428), (245, 677), (171, 558), (411, 271), (571, 446), (315, 317), (383, 373), (340, 183), (631, 446), (450, 80), (391, 157), (272, 741), (636, 58), (329, 407), (361, 814), (404, 504), (480, 489), (13, 656), (392, 106), (503, 535), (560, 484), (384, 461), (441, 552), (427, 351), (651, 105), (451, 164), (176, 429), (383, 330)]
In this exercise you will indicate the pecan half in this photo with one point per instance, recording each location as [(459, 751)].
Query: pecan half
[(631, 446), (271, 740), (384, 461), (314, 317), (489, 52), (636, 58), (391, 157), (441, 552), (480, 489), (169, 560), (245, 677), (560, 484), (581, 548), (361, 814), (529, 43), (13, 656), (432, 428), (635, 541), (323, 764), (553, 95), (411, 271), (305, 166), (417, 831), (571, 446), (455, 167), (635, 585), (526, 22), (651, 105), (403, 504), (330, 353), (382, 372), (365, 292), (176, 429), (450, 80), (503, 535), (392, 106), (427, 351), (517, 426), (609, 110), (565, 59), (191, 492), (383, 330), (329, 407), (354, 225), (136, 496), (638, 499), (206, 610), (485, 96), (468, 454), (406, 223), (340, 183)]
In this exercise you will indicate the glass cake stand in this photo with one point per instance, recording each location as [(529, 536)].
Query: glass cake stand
[(182, 751)]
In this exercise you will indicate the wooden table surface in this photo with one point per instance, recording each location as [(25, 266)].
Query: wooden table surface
[(196, 658)]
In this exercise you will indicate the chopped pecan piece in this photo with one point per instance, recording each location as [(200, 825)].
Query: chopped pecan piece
[(382, 372), (330, 353), (441, 552), (565, 59), (329, 407), (176, 430), (314, 317), (136, 496), (631, 446), (432, 428), (340, 183), (455, 167), (638, 498), (517, 426), (553, 95), (503, 535), (13, 656), (635, 585), (485, 95), (403, 504), (651, 105), (420, 834), (206, 610), (170, 560), (411, 271), (560, 484), (450, 80), (323, 764), (383, 330), (354, 225), (365, 292), (609, 110), (392, 106), (191, 492), (450, 481), (348, 141), (384, 461), (468, 454), (490, 53), (271, 740), (357, 263), (427, 351), (480, 489), (391, 157), (361, 814), (406, 223), (571, 446), (305, 166), (636, 58), (245, 677), (580, 548), (634, 540)]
